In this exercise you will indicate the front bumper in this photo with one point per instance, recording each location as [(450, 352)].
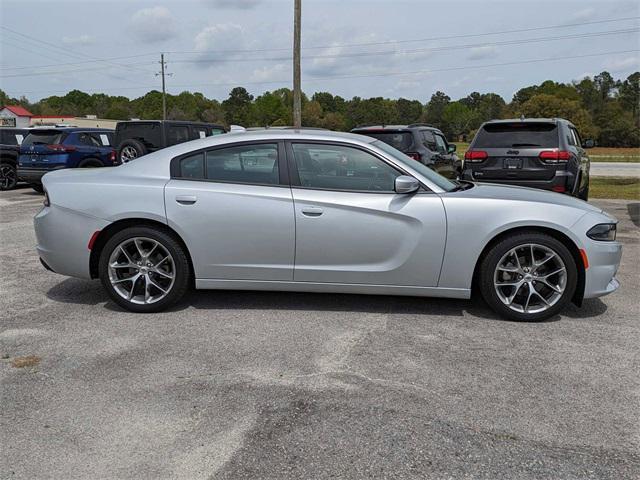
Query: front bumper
[(604, 260), (63, 236)]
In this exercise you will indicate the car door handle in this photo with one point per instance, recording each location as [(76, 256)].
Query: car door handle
[(186, 199), (312, 211)]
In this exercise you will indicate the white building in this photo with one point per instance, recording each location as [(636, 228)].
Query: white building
[(15, 116)]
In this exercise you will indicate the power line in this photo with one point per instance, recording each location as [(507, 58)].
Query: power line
[(370, 75), (428, 39), (35, 74), (84, 62), (424, 50)]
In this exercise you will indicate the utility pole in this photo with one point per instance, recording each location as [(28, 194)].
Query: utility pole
[(297, 93), (164, 91)]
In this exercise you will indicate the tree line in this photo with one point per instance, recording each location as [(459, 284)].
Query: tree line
[(604, 108)]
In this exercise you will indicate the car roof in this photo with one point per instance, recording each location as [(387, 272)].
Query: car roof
[(295, 134), (71, 129), (179, 122), (530, 120), (395, 128)]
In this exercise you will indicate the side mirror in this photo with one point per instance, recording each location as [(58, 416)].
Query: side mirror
[(452, 148), (406, 184), (588, 144)]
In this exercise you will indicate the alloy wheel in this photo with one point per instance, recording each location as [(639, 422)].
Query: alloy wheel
[(8, 177), (530, 278), (141, 270), (127, 154)]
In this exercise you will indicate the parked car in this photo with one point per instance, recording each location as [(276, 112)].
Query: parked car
[(47, 149), (545, 153), (257, 211), (136, 138), (10, 140), (420, 141)]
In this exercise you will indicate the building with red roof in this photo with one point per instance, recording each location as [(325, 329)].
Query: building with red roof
[(15, 116)]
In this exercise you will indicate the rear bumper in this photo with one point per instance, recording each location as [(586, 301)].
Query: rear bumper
[(562, 180), (34, 175)]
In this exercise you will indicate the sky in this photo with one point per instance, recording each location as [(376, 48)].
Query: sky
[(363, 48)]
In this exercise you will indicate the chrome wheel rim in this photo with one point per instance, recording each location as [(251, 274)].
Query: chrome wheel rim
[(141, 270), (530, 278), (128, 153)]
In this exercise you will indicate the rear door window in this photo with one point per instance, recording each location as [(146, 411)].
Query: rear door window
[(177, 134), (86, 139), (255, 164), (428, 139), (517, 135), (441, 144)]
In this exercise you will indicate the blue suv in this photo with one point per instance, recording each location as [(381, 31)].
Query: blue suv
[(47, 149)]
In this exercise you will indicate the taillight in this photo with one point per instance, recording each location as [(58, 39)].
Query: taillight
[(58, 147), (414, 155), (559, 188), (555, 156), (475, 155), (113, 157)]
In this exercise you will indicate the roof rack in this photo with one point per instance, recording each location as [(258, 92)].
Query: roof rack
[(421, 125), (364, 125)]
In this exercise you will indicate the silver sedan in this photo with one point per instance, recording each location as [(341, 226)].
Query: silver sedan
[(319, 211)]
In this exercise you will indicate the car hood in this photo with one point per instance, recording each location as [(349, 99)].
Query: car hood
[(523, 194)]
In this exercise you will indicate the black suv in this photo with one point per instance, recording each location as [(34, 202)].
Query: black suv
[(10, 140), (545, 153), (139, 137), (420, 141)]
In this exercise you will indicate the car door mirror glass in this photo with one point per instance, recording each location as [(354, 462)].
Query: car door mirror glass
[(452, 148), (406, 184)]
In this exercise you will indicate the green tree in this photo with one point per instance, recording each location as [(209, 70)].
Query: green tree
[(238, 107)]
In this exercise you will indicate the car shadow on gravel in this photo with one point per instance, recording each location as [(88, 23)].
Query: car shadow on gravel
[(85, 292)]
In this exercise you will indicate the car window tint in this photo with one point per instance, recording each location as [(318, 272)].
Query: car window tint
[(216, 131), (428, 139), (403, 141), (336, 167), (577, 136), (177, 134), (102, 139), (147, 133), (192, 166), (244, 164), (517, 134), (441, 144), (43, 137), (87, 139)]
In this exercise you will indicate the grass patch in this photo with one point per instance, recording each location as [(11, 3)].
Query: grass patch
[(28, 361), (626, 188)]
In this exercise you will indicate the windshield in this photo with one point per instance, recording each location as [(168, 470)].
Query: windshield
[(520, 134), (425, 171)]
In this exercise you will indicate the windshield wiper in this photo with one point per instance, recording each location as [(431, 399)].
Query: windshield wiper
[(461, 185)]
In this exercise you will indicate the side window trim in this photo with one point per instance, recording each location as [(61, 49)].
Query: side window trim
[(295, 177), (283, 173)]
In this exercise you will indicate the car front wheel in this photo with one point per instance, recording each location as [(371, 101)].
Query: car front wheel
[(144, 269), (8, 176), (528, 277)]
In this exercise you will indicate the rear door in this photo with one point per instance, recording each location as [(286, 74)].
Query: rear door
[(444, 163), (233, 207), (513, 151), (352, 227)]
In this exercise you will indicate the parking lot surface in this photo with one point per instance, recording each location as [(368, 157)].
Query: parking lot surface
[(280, 385)]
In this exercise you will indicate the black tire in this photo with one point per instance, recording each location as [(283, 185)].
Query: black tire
[(90, 163), (490, 262), (176, 250), (37, 187), (8, 176), (130, 150)]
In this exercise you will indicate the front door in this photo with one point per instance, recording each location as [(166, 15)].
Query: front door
[(351, 226), (235, 214)]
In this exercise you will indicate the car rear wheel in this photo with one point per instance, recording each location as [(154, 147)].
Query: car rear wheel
[(528, 277), (130, 150), (8, 176), (38, 187), (144, 269)]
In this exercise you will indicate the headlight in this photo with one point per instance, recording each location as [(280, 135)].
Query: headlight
[(604, 232), (46, 199)]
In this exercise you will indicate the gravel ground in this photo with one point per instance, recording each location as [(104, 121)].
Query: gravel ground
[(281, 385)]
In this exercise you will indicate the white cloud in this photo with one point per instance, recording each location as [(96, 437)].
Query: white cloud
[(234, 4), (274, 73), (479, 53), (588, 13), (80, 40), (622, 64), (152, 25)]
